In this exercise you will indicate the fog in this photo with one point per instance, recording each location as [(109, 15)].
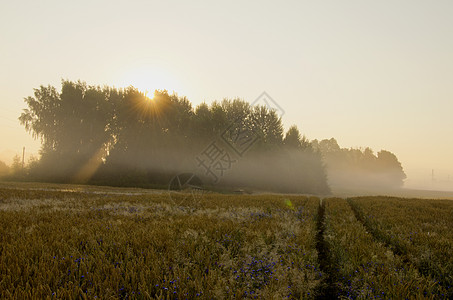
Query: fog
[(122, 137), (429, 179), (286, 170)]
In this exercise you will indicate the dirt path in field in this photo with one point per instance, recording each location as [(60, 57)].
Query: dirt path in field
[(326, 288)]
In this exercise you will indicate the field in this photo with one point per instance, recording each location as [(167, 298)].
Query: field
[(67, 242)]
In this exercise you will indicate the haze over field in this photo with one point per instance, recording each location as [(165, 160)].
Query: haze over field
[(372, 75)]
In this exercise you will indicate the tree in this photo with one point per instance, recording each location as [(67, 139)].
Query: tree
[(292, 138), (328, 146), (40, 117), (219, 118), (4, 169), (152, 136), (268, 126), (17, 166), (388, 162), (202, 124), (73, 126)]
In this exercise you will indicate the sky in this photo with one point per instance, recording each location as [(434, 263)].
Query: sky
[(372, 74)]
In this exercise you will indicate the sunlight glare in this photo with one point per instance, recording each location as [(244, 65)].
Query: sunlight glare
[(149, 79)]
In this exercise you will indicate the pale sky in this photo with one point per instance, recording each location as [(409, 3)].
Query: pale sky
[(373, 74)]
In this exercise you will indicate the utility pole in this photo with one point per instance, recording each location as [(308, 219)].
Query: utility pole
[(23, 157)]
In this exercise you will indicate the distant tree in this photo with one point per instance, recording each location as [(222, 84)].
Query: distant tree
[(202, 124), (4, 169), (269, 127), (360, 168), (180, 117), (17, 166), (33, 162), (41, 115), (327, 146), (292, 138), (219, 118), (388, 162), (237, 111), (73, 126)]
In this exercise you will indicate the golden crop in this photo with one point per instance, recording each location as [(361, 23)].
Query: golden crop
[(418, 230), (100, 245), (67, 242), (366, 267)]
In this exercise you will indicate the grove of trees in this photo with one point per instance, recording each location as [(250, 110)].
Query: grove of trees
[(356, 168), (121, 137), (105, 135)]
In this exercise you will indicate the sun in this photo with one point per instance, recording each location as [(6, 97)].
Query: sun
[(149, 96), (148, 79)]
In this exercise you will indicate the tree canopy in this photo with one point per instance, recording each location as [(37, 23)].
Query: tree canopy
[(356, 168), (105, 135), (122, 137)]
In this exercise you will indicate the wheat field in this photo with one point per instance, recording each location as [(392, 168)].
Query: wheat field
[(77, 242)]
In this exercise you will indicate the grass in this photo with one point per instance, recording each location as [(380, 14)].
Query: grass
[(91, 245)]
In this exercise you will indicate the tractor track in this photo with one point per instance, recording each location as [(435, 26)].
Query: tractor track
[(327, 288), (396, 248)]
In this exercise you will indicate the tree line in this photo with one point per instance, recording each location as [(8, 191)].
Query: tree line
[(106, 135), (360, 168), (122, 137)]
